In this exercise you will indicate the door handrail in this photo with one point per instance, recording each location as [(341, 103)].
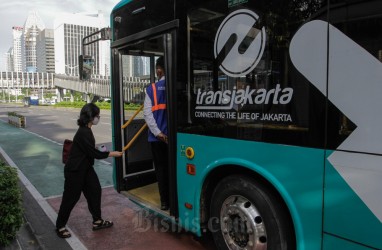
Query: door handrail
[(135, 137), (132, 118), (139, 131)]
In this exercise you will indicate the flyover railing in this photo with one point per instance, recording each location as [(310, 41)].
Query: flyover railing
[(18, 80), (132, 87)]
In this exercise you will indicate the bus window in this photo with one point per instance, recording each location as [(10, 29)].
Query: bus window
[(261, 105)]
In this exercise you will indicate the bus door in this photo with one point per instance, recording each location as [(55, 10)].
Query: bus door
[(134, 70), (138, 167)]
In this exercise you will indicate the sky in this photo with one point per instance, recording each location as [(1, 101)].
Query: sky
[(15, 13)]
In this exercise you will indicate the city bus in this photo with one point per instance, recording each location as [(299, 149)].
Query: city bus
[(273, 118)]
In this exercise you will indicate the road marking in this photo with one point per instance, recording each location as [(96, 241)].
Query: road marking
[(33, 133)]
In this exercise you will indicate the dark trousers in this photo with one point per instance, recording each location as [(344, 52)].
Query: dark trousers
[(160, 158), (85, 181)]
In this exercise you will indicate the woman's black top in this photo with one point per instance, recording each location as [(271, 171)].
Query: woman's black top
[(83, 151)]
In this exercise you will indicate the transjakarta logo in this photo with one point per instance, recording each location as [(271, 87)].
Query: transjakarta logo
[(228, 98), (245, 45), (249, 42)]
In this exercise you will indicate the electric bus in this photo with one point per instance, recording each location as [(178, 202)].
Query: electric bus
[(274, 115)]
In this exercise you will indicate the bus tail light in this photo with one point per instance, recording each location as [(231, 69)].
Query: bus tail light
[(191, 170), (188, 205)]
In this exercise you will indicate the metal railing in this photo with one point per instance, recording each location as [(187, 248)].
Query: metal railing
[(99, 86), (139, 131), (133, 87), (18, 80)]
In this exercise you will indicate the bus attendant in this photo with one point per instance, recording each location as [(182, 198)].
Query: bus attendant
[(156, 118)]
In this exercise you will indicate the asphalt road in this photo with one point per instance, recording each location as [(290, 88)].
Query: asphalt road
[(58, 124)]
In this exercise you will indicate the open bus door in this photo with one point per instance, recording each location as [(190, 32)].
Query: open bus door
[(133, 71)]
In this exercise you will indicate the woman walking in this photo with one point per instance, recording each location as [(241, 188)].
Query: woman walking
[(80, 175)]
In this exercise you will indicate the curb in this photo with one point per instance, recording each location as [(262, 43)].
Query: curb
[(26, 239), (40, 214)]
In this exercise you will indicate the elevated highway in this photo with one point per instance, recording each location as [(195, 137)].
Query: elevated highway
[(97, 86)]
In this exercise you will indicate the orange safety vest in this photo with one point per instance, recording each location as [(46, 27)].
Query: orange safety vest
[(156, 106)]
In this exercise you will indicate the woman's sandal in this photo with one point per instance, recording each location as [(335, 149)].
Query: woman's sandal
[(63, 233), (101, 224)]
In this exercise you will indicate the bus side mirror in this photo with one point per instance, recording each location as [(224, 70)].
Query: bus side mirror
[(86, 64)]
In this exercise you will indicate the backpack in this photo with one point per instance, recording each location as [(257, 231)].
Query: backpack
[(66, 150)]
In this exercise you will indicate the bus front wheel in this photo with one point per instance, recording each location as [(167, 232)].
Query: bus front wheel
[(247, 215)]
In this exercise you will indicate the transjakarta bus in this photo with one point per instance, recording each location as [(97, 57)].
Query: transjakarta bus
[(274, 114)]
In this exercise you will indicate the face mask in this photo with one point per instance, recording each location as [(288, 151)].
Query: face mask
[(95, 120)]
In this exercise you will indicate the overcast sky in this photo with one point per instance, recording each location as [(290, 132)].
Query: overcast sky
[(15, 13)]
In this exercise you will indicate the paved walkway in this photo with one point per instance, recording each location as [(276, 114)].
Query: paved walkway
[(41, 173)]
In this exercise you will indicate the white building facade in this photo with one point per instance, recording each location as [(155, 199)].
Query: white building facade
[(45, 51), (69, 30), (17, 33)]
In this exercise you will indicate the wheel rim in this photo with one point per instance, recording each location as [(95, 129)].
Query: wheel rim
[(242, 225)]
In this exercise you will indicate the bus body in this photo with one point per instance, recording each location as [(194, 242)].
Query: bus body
[(273, 139)]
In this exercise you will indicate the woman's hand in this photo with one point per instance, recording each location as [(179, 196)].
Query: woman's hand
[(115, 154)]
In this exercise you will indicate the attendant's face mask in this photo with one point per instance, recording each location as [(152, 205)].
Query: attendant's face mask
[(96, 120)]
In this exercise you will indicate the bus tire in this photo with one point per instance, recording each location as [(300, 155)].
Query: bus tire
[(246, 215)]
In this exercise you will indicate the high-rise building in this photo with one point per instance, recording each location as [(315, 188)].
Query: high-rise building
[(136, 66), (146, 65), (45, 51), (33, 25), (69, 31), (9, 60), (17, 33)]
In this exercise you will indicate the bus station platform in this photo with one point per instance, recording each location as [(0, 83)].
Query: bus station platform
[(38, 161)]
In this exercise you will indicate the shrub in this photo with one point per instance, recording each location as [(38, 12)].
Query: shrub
[(78, 104), (101, 105), (11, 212), (14, 114)]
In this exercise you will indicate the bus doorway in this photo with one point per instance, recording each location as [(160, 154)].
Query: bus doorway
[(136, 175)]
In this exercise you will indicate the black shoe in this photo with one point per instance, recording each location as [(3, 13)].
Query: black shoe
[(164, 206)]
